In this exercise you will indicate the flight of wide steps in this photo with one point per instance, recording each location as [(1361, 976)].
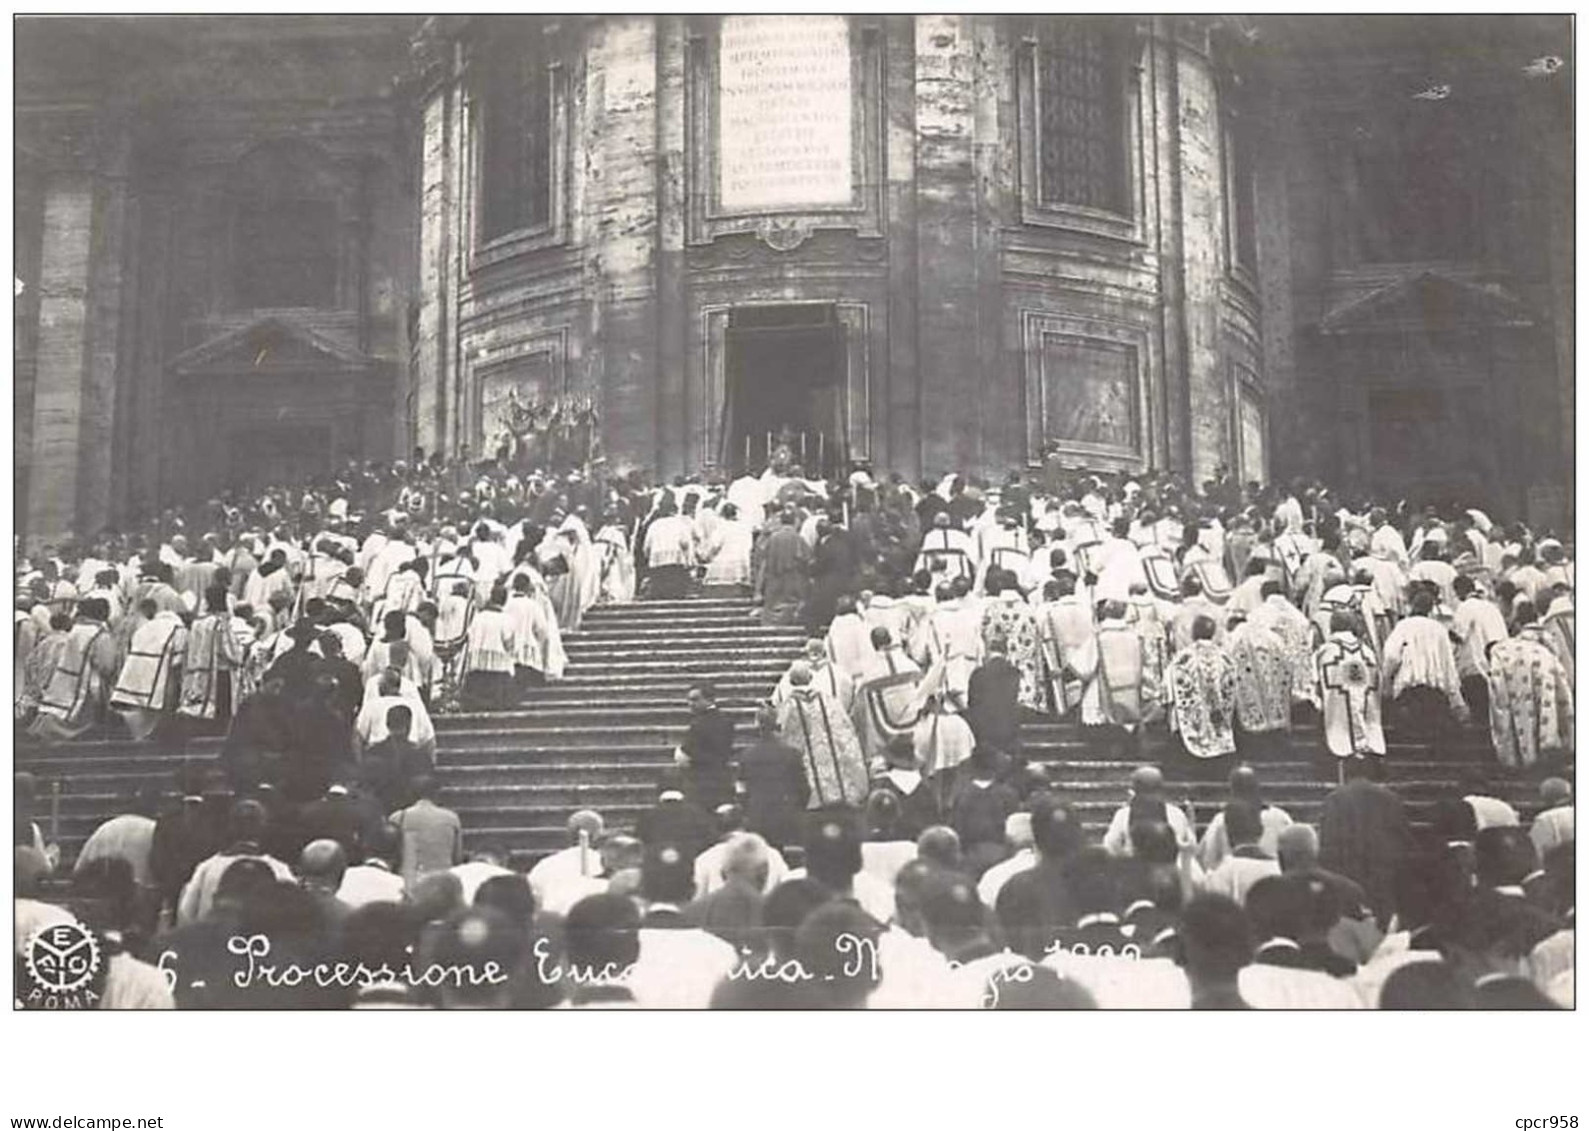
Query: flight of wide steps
[(603, 736)]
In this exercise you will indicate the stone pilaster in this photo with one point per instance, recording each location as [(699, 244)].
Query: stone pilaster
[(620, 221), (947, 277)]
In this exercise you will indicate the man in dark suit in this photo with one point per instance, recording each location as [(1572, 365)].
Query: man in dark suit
[(1499, 919), (389, 768), (349, 681), (773, 778), (1035, 905), (1364, 835), (349, 819), (993, 701), (709, 747), (676, 821)]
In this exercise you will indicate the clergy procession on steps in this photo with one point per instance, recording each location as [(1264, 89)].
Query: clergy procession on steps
[(1064, 740)]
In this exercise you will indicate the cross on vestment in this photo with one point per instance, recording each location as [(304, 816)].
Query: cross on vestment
[(1345, 674)]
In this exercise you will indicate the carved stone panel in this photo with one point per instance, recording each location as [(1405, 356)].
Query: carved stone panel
[(1085, 385)]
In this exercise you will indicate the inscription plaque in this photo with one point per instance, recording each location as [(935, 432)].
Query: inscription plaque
[(784, 134)]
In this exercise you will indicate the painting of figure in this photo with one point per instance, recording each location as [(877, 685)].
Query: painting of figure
[(1089, 389)]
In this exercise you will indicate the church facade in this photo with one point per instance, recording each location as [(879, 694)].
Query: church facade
[(1277, 246)]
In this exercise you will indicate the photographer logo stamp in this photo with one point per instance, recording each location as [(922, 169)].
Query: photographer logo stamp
[(62, 961)]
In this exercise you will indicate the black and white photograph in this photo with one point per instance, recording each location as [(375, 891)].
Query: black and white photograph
[(761, 511)]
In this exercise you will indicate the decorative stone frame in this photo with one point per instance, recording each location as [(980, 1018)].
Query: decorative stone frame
[(481, 367), (783, 229), (555, 231), (856, 319), (1125, 337), (1072, 217), (1246, 386)]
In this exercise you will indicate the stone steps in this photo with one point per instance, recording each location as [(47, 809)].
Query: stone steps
[(603, 736)]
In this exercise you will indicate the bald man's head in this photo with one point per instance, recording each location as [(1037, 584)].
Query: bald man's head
[(321, 865), (1147, 781), (939, 845), (586, 821), (1555, 791), (1244, 783), (1298, 848)]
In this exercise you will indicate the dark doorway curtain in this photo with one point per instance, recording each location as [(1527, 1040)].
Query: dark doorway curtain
[(785, 368)]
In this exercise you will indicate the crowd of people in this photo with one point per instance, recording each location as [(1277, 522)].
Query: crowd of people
[(885, 803), (221, 903)]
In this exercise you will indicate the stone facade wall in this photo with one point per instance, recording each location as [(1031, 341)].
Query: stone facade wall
[(138, 189), (944, 281)]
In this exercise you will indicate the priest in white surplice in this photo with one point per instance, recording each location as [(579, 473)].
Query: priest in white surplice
[(147, 688), (947, 553), (885, 691)]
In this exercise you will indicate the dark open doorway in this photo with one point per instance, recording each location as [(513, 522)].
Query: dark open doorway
[(785, 370)]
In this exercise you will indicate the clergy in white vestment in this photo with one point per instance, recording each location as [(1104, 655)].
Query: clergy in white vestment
[(1389, 581), (1067, 636), (825, 677), (617, 565), (1386, 539), (1476, 624), (1119, 567), (1248, 594), (405, 589), (898, 617), (488, 653), (574, 584), (371, 725), (1553, 825), (530, 627), (1262, 686), (951, 634), (748, 496), (396, 552), (1531, 700), (849, 639), (454, 609), (1001, 544), (946, 553), (150, 678), (885, 692), (1116, 694), (1347, 676), (1558, 628), (1200, 685), (942, 738), (210, 665), (814, 724), (1433, 568), (669, 552), (726, 549), (1296, 634), (1418, 658), (78, 685), (579, 860)]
